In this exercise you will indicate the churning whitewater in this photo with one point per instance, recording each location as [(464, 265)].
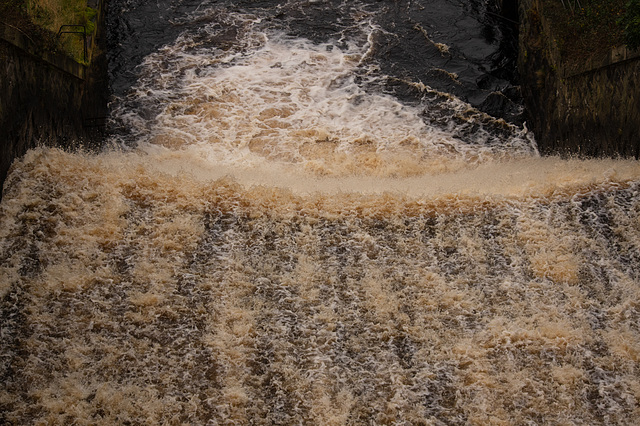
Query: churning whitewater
[(293, 226)]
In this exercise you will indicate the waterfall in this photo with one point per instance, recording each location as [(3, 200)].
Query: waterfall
[(293, 226)]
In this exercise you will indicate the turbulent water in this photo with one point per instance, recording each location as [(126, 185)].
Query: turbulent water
[(307, 216)]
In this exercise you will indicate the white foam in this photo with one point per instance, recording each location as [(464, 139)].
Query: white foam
[(301, 105)]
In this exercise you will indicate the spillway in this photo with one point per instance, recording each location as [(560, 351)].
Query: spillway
[(290, 227)]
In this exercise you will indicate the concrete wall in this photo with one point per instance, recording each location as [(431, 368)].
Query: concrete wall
[(47, 98), (590, 109), (41, 99)]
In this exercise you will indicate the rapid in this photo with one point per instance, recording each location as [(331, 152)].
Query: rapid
[(311, 212)]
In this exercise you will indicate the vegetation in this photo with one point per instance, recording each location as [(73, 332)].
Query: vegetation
[(53, 14), (14, 14), (630, 23), (42, 19), (586, 28)]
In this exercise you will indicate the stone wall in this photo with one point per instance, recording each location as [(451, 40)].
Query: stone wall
[(590, 109)]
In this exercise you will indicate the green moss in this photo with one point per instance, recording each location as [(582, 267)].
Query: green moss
[(89, 19)]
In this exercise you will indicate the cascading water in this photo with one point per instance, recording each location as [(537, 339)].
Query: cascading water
[(306, 218)]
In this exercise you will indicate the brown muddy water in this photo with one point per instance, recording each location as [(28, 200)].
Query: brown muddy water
[(273, 237)]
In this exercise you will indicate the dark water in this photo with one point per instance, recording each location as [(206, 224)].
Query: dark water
[(463, 48)]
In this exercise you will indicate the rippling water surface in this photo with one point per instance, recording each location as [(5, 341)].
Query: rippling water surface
[(317, 212)]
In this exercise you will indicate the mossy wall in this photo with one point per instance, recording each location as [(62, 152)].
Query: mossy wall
[(586, 109)]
